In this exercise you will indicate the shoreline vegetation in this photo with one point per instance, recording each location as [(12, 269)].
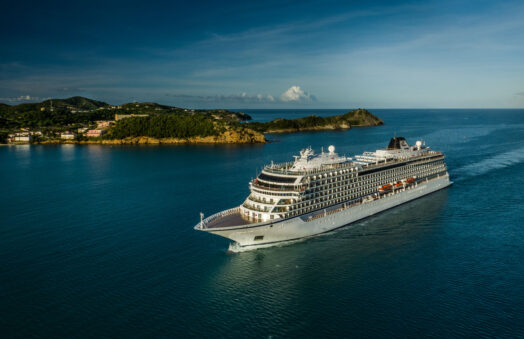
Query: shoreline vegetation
[(79, 120)]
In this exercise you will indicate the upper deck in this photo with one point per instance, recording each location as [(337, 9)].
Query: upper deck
[(308, 162), (359, 166)]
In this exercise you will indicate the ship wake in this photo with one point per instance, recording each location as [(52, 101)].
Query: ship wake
[(234, 247), (499, 161)]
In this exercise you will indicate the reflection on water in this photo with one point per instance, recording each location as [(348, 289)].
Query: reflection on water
[(98, 159), (410, 224), (270, 282), (20, 153)]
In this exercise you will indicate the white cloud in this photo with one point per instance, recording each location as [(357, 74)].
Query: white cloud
[(296, 94), (22, 98)]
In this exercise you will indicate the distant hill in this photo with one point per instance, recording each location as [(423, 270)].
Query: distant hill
[(154, 108), (79, 103), (356, 118), (148, 105), (74, 103)]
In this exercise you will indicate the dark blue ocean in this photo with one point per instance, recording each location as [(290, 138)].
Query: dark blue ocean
[(98, 241)]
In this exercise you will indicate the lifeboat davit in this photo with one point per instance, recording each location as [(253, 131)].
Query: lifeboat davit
[(385, 188)]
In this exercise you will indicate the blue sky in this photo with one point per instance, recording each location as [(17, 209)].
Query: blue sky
[(271, 54)]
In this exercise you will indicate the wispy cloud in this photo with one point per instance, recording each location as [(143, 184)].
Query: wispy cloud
[(292, 95), (520, 94), (22, 99), (242, 98)]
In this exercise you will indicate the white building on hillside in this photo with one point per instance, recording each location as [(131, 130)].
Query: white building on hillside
[(68, 135)]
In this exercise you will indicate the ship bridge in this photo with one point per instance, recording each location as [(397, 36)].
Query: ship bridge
[(308, 160)]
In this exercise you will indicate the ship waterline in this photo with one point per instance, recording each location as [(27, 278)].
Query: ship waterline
[(316, 194)]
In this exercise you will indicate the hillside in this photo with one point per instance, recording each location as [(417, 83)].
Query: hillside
[(135, 122), (80, 111)]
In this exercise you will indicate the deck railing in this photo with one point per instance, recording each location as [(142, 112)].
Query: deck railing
[(284, 168), (397, 160), (215, 216)]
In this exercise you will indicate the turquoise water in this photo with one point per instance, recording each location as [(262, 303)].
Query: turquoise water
[(98, 241)]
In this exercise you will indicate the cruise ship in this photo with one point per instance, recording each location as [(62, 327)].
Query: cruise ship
[(317, 193)]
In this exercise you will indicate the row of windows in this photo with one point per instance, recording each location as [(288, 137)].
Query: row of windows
[(334, 178), (368, 184), (377, 178), (313, 205)]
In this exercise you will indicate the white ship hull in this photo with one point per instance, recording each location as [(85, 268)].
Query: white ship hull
[(268, 234)]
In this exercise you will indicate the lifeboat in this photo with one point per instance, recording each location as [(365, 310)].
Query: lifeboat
[(385, 188), (410, 180), (399, 184)]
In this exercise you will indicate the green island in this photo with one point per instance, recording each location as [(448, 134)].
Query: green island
[(82, 120)]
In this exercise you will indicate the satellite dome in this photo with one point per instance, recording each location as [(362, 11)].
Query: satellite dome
[(331, 149)]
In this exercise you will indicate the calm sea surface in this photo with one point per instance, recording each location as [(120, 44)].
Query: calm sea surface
[(98, 241)]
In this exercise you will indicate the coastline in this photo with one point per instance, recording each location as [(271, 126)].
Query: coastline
[(154, 124), (228, 137)]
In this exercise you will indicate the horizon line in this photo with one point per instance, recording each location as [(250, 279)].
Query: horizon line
[(275, 108)]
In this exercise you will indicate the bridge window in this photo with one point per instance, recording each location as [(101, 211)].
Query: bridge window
[(266, 177)]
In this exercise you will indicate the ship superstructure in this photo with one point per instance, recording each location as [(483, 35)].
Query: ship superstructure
[(316, 193)]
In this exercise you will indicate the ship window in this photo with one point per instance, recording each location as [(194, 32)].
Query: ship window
[(259, 237)]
